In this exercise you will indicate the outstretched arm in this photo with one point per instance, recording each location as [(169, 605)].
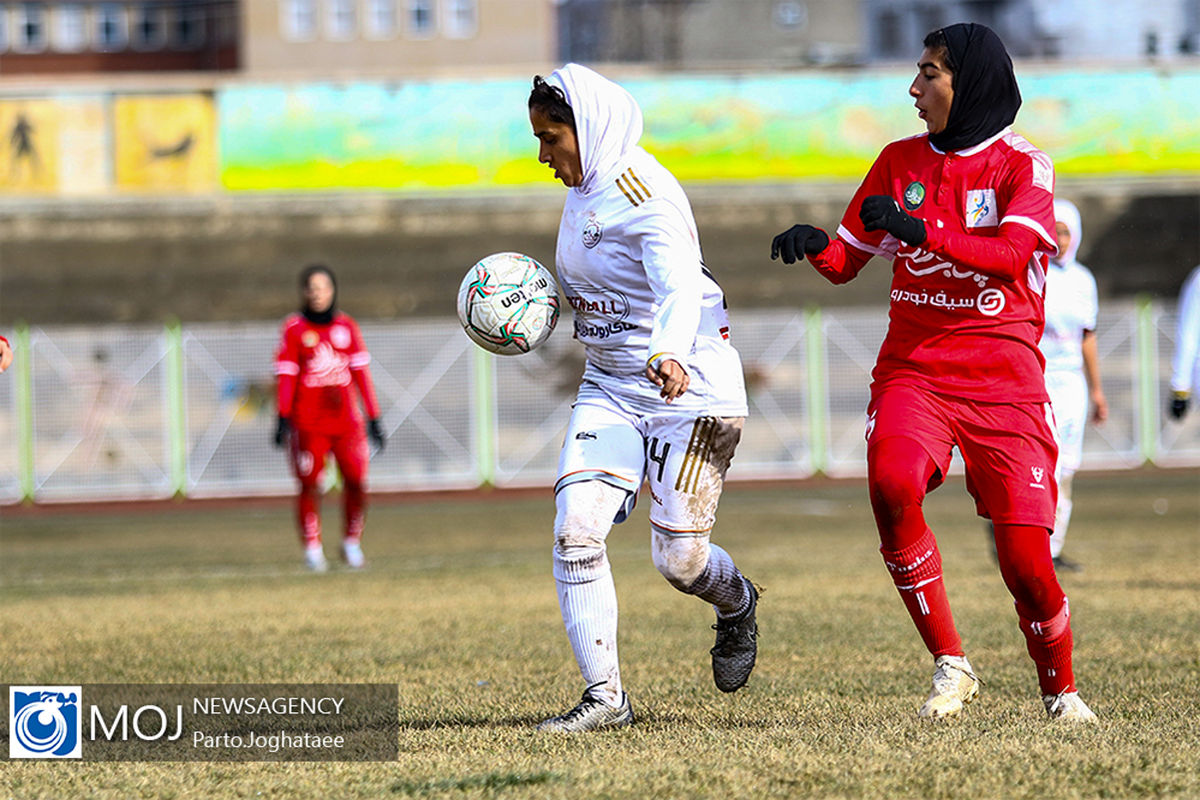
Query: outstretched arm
[(1004, 256)]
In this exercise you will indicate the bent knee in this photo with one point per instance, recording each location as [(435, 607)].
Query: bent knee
[(679, 559)]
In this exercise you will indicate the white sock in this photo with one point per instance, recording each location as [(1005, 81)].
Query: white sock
[(589, 612)]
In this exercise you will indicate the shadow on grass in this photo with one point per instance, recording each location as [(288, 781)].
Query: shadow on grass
[(489, 782)]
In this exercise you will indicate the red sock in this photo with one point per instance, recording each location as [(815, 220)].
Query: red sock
[(1049, 643), (917, 572), (355, 506), (1045, 617), (309, 516)]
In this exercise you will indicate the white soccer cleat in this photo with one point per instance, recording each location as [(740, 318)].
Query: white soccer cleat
[(592, 714), (1069, 707), (352, 554), (314, 558), (954, 685)]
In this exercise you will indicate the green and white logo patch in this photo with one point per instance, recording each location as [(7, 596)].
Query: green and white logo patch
[(914, 196)]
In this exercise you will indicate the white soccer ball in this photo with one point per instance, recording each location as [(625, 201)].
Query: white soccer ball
[(508, 303)]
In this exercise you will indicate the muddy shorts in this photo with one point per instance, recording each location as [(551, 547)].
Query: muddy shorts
[(682, 458)]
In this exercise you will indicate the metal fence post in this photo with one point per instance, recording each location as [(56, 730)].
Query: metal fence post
[(818, 388), (1147, 349), (176, 412), (484, 418)]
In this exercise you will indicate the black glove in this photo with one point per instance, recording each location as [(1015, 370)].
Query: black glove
[(880, 212), (1179, 404), (282, 429), (376, 433), (797, 241)]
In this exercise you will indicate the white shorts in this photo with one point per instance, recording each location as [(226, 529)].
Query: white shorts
[(1069, 399), (683, 459)]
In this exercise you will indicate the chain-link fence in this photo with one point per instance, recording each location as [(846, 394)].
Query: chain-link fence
[(122, 412)]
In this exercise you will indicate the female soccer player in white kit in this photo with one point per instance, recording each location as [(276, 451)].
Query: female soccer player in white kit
[(1072, 363), (662, 398), (1185, 364)]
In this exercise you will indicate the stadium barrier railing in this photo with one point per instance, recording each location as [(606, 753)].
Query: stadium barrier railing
[(126, 412)]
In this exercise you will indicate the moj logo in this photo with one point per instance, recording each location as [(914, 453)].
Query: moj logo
[(43, 722)]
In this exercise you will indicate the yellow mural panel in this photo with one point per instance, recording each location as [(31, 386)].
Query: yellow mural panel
[(29, 146), (165, 143)]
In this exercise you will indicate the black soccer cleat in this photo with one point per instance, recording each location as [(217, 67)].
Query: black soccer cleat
[(736, 650)]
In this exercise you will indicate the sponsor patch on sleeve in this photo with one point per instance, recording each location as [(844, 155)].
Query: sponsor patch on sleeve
[(1043, 171)]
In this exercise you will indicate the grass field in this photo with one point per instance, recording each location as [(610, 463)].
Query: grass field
[(458, 609)]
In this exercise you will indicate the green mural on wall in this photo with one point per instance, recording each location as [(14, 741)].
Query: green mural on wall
[(825, 125)]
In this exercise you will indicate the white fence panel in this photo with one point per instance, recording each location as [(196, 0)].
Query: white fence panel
[(426, 389), (852, 340), (777, 439), (100, 415), (229, 397), (533, 396), (1116, 443)]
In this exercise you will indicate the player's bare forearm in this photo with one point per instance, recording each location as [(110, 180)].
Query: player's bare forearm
[(1091, 371)]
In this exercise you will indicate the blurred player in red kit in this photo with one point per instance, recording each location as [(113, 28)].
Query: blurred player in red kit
[(322, 370), (6, 354), (965, 214)]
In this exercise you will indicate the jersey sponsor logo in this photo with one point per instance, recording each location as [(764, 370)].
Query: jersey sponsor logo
[(600, 302), (340, 336), (914, 195), (991, 302), (920, 263), (327, 367), (981, 208), (309, 338), (592, 232)]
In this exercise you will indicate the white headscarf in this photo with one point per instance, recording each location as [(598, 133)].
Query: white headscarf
[(1066, 213), (608, 121)]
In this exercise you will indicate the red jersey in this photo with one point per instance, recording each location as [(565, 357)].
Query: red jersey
[(322, 370), (967, 304)]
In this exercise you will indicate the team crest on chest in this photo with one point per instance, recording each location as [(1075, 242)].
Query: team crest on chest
[(309, 338), (340, 336), (592, 232), (914, 195)]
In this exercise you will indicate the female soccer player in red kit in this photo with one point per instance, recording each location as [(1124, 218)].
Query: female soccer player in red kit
[(965, 215), (322, 370)]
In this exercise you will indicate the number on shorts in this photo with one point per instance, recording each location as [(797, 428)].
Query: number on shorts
[(658, 458)]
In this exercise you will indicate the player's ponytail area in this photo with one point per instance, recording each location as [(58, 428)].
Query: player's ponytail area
[(459, 610)]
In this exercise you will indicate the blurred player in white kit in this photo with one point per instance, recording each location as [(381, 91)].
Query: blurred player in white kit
[(1185, 363), (662, 398), (1072, 363)]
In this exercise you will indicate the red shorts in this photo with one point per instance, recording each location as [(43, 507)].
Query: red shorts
[(1009, 449), (309, 450)]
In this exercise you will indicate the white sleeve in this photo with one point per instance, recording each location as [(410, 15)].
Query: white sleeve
[(671, 257), (1187, 339), (1092, 310)]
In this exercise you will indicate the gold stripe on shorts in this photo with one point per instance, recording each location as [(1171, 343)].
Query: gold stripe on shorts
[(699, 453)]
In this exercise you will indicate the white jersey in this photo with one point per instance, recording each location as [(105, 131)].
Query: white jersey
[(1186, 363), (630, 266), (1071, 308)]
